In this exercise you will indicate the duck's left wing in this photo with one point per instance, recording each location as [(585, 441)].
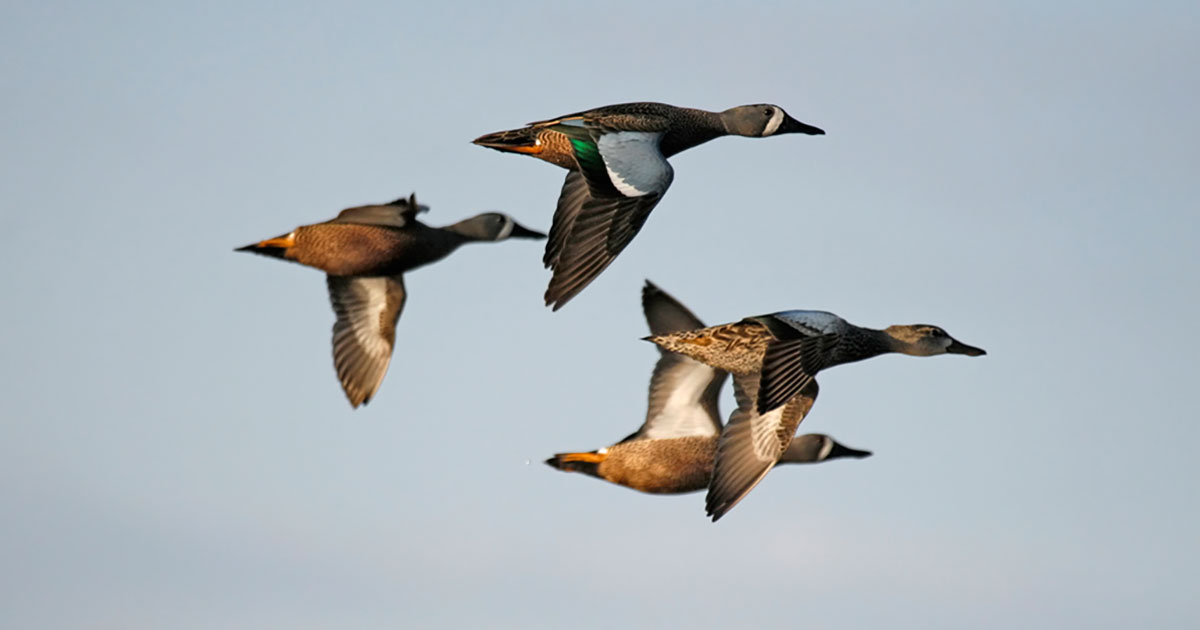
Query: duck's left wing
[(364, 334), (683, 400), (601, 228), (626, 175), (683, 392), (398, 213), (752, 443), (790, 365)]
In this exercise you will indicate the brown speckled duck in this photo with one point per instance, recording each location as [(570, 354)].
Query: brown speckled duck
[(617, 158), (365, 251), (774, 359), (673, 451)]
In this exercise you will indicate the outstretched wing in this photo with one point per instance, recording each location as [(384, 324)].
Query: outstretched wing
[(570, 201), (789, 366), (683, 392), (625, 175), (364, 334), (752, 443), (601, 228), (398, 213)]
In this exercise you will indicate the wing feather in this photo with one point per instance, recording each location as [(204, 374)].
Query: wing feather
[(752, 443), (364, 334)]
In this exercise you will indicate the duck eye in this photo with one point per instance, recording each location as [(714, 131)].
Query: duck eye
[(767, 112)]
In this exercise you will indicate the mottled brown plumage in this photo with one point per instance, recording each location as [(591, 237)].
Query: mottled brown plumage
[(775, 359), (673, 451), (664, 466), (737, 348), (351, 249), (789, 348)]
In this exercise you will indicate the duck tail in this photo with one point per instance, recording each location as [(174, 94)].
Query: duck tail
[(522, 140), (274, 247), (586, 463)]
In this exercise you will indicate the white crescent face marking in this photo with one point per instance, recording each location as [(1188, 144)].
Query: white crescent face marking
[(506, 230), (773, 124), (826, 448)]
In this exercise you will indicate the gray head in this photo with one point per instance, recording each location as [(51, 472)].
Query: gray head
[(923, 340), (493, 226), (816, 447), (764, 120)]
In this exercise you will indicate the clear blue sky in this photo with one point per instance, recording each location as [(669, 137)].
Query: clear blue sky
[(176, 452)]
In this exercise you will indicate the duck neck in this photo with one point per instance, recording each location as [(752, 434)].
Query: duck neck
[(465, 231), (865, 343), (896, 344), (693, 128), (805, 449)]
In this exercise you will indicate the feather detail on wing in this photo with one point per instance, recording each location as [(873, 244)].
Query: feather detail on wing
[(600, 230), (570, 202), (626, 175), (666, 315), (789, 366), (364, 334), (398, 213), (752, 443), (683, 392)]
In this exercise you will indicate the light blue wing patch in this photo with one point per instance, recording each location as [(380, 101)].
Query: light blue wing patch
[(635, 164)]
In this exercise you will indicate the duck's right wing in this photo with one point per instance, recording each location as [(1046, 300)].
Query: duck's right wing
[(752, 443), (364, 334), (570, 201), (600, 230)]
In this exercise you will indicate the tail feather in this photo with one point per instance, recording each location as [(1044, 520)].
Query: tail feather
[(274, 247), (522, 140), (586, 463), (264, 250)]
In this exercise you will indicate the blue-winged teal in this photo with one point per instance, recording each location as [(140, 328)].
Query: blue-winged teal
[(673, 450), (774, 359), (617, 156), (365, 251)]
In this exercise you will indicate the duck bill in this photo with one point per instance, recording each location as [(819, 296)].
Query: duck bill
[(957, 347), (520, 231), (791, 125), (839, 450)]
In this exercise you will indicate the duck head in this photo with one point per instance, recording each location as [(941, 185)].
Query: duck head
[(764, 120), (493, 226), (818, 447), (923, 340)]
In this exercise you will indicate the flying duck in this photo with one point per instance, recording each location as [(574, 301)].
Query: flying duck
[(365, 252)]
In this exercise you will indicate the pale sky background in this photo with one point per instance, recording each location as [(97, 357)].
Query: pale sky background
[(176, 451)]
